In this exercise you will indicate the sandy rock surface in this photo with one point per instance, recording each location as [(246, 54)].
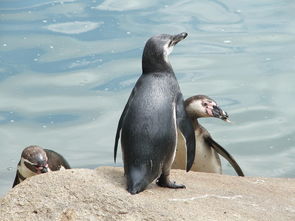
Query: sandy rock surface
[(84, 194)]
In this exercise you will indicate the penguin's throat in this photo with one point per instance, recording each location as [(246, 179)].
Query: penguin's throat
[(195, 123), (152, 63), (20, 176), (25, 172), (167, 51), (156, 67)]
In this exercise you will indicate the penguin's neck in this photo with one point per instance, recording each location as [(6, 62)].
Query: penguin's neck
[(155, 64), (195, 122)]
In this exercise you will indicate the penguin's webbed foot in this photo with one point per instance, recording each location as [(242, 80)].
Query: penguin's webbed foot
[(164, 181)]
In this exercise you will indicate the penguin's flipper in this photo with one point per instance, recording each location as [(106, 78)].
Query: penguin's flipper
[(223, 152), (16, 181), (121, 122), (185, 125), (55, 160)]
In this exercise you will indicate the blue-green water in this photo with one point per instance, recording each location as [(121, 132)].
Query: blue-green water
[(68, 67)]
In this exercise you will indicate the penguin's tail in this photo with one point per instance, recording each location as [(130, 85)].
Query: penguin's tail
[(137, 179)]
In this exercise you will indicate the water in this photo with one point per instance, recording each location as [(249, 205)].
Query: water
[(67, 69)]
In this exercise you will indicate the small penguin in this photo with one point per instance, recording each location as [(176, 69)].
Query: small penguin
[(36, 160), (152, 119), (206, 159)]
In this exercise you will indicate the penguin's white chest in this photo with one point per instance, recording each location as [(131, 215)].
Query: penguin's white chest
[(176, 134), (206, 159)]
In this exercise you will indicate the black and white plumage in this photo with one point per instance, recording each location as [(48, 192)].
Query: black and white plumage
[(36, 160), (207, 149), (152, 119)]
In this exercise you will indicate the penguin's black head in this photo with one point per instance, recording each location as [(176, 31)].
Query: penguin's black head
[(156, 52), (35, 159), (204, 106)]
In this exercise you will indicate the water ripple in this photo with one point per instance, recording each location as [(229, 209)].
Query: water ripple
[(75, 27), (121, 5)]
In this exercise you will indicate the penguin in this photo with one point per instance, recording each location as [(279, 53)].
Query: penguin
[(36, 160), (207, 149), (152, 118)]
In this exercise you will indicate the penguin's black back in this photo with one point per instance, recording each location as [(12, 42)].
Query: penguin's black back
[(56, 161)]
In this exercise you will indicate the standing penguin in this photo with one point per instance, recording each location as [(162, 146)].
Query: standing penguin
[(36, 160), (206, 159), (151, 118)]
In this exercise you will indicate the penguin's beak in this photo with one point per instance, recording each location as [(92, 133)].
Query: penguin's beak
[(219, 113), (44, 170), (177, 38)]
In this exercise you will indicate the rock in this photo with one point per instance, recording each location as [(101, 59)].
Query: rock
[(84, 194)]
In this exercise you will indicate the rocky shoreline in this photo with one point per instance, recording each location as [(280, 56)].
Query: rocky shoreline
[(85, 194)]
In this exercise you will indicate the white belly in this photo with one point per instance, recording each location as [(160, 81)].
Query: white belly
[(206, 159)]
